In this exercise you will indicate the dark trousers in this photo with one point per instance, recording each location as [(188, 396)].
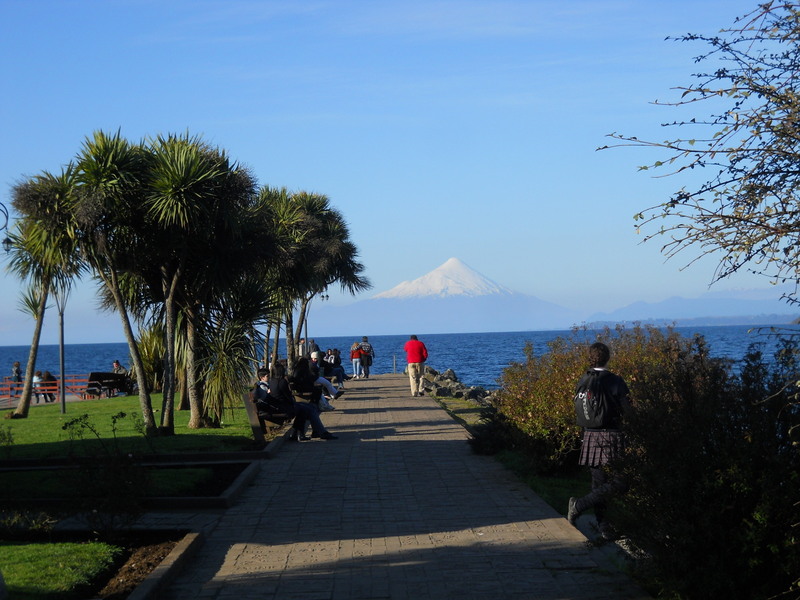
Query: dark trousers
[(605, 486), (309, 412)]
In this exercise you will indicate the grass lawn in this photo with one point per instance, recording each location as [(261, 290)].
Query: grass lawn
[(40, 571), (50, 570), (43, 434)]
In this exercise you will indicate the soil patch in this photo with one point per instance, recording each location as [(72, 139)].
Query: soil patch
[(141, 561)]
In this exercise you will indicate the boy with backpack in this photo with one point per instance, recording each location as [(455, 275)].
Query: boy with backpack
[(601, 400)]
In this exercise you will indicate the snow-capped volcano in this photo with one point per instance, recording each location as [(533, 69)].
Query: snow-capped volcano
[(453, 278)]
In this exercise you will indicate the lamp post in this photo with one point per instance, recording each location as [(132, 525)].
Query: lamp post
[(323, 296)]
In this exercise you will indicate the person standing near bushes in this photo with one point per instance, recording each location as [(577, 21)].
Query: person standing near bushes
[(601, 445)]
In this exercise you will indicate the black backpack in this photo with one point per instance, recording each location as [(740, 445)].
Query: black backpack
[(595, 407)]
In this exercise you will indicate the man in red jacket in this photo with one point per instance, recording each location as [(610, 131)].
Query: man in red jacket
[(417, 354)]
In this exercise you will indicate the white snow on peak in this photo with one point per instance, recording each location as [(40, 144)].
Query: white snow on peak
[(453, 278)]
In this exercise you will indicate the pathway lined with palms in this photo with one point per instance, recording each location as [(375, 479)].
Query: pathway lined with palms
[(398, 507)]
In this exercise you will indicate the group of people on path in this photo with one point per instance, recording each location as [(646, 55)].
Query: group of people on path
[(40, 380), (312, 379), (600, 445)]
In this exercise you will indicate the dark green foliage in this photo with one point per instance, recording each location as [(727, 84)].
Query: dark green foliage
[(714, 482), (713, 462), (534, 407), (112, 484)]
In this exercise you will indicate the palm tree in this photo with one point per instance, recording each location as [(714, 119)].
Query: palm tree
[(319, 253), (111, 174), (206, 239), (44, 250)]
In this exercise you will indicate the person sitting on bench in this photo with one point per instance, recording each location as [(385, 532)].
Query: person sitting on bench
[(272, 395), (317, 371), (307, 384)]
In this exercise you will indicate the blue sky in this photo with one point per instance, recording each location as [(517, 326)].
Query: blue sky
[(439, 129)]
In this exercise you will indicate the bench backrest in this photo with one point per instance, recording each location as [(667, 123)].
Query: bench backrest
[(252, 415)]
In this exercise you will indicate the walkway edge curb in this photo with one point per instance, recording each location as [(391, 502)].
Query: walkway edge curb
[(165, 572)]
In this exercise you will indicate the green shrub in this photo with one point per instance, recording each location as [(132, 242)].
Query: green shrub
[(712, 463), (534, 410), (714, 482)]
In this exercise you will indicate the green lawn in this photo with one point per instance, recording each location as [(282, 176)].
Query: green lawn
[(43, 435), (34, 571), (50, 570)]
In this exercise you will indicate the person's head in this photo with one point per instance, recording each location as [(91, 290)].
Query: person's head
[(365, 339), (16, 363), (116, 363), (262, 373), (278, 370), (315, 356), (38, 374), (413, 337), (598, 355)]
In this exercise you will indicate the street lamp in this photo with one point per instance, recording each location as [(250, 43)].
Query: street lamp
[(322, 296)]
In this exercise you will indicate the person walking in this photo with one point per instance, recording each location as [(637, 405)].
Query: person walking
[(355, 357), (367, 356), (416, 355), (37, 380), (603, 444), (50, 382)]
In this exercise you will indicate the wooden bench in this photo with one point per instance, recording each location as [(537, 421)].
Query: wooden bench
[(259, 419), (100, 383)]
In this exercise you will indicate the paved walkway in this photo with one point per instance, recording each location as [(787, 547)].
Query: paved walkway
[(397, 508)]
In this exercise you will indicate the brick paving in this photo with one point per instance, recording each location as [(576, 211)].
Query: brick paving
[(397, 508)]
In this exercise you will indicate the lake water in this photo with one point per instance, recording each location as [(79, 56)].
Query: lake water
[(476, 358)]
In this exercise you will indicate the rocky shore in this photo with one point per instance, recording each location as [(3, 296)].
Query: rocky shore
[(447, 385)]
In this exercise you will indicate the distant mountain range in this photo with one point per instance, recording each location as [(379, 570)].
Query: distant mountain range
[(454, 298)]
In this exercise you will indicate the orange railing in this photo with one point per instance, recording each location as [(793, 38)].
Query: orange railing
[(74, 385)]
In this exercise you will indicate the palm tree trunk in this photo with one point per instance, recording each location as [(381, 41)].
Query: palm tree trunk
[(291, 348), (275, 346), (181, 389), (266, 359), (301, 318), (196, 420), (136, 358), (21, 412), (168, 402)]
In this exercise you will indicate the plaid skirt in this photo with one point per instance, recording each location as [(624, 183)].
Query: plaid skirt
[(600, 446)]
